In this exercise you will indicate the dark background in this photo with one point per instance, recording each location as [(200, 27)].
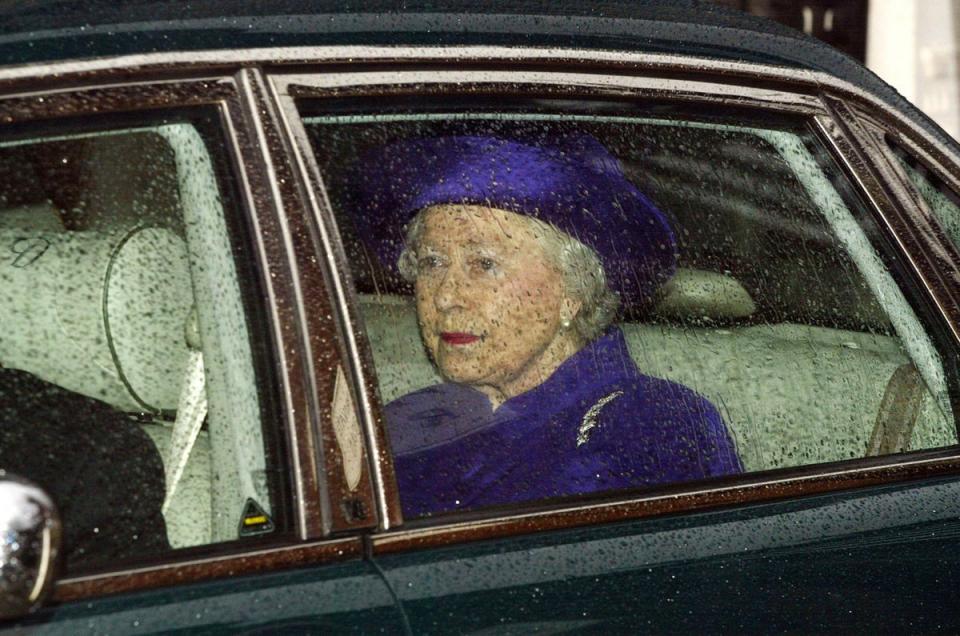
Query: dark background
[(840, 23)]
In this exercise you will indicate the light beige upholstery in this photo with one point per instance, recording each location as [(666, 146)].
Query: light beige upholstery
[(790, 394), (188, 517), (699, 293), (103, 310), (68, 347)]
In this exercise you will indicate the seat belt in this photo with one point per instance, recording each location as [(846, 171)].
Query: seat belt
[(191, 411), (899, 410)]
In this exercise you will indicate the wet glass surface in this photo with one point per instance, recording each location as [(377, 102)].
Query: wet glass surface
[(568, 304), (127, 387)]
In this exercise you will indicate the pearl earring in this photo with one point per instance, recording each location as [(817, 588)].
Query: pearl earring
[(565, 323)]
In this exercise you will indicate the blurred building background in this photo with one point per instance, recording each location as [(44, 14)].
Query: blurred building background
[(912, 44)]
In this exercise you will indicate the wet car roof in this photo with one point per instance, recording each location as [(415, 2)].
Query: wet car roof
[(55, 30)]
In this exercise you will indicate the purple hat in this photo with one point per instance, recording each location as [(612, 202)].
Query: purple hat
[(572, 183)]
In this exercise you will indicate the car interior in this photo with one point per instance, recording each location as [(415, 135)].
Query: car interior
[(122, 287)]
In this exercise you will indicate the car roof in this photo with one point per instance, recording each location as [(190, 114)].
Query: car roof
[(56, 30)]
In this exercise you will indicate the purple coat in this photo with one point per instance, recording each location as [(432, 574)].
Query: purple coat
[(596, 424)]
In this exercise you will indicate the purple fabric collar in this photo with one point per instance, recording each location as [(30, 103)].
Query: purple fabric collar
[(604, 361)]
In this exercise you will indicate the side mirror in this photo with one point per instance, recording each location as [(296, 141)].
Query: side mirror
[(30, 533)]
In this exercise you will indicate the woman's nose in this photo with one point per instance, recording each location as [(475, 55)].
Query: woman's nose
[(449, 293)]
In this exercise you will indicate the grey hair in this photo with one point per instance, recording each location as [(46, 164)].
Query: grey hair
[(583, 276)]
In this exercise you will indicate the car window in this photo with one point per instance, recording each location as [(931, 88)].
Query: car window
[(129, 383), (943, 202), (561, 304)]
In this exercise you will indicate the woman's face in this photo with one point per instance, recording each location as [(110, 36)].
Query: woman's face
[(488, 299)]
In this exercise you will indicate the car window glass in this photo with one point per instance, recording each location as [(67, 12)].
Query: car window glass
[(569, 304), (942, 200), (128, 385)]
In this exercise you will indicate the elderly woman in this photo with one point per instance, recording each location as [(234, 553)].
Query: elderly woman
[(521, 254)]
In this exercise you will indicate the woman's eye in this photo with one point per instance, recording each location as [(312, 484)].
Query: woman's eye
[(486, 264)]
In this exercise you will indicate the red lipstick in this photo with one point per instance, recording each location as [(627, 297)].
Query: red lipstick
[(457, 338)]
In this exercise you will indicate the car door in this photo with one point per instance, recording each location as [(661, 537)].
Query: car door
[(170, 367), (813, 307)]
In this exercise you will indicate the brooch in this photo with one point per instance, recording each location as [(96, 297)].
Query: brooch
[(590, 417)]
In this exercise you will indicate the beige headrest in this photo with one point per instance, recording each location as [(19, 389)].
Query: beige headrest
[(100, 314), (703, 295)]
